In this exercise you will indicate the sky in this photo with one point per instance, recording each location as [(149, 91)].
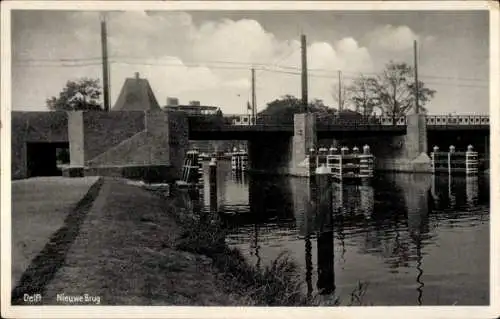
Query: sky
[(207, 55)]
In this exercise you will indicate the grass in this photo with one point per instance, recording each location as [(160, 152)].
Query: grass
[(135, 247), (125, 254), (39, 208), (278, 284), (44, 266)]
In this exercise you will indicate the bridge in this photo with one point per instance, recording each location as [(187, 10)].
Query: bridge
[(138, 139), (153, 143), (234, 127)]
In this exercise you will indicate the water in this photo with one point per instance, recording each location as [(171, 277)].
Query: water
[(414, 239)]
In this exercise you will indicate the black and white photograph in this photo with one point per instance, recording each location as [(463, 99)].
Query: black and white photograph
[(271, 155)]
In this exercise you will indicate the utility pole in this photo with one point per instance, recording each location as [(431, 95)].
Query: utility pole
[(340, 91), (105, 72), (254, 102), (304, 72), (416, 76)]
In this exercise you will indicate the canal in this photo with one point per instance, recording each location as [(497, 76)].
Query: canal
[(409, 239)]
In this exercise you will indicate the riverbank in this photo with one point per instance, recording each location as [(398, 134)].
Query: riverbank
[(124, 245), (125, 254)]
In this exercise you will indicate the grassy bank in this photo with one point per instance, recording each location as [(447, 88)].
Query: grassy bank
[(39, 208), (47, 262), (278, 284), (125, 254), (130, 246)]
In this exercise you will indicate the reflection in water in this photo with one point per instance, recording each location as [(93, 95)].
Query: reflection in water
[(326, 272), (419, 275), (353, 199), (394, 233), (461, 190), (451, 192), (322, 191), (309, 266), (472, 190), (256, 245), (302, 190)]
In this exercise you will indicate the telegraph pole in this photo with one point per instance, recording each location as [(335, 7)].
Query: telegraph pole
[(105, 72), (254, 101), (416, 75), (340, 90), (304, 73)]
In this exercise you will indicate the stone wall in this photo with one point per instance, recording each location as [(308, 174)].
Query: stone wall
[(178, 140), (162, 144), (103, 130), (49, 127)]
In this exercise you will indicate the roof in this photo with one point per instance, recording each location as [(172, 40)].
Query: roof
[(136, 95), (192, 107)]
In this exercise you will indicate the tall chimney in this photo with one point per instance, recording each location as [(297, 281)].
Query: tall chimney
[(137, 75)]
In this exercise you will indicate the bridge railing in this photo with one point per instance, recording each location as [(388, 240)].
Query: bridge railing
[(347, 121), (458, 119), (332, 120), (287, 120)]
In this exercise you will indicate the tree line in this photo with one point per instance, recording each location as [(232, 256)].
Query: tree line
[(392, 92)]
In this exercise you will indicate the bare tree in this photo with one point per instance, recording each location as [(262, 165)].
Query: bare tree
[(342, 101), (394, 91), (362, 95)]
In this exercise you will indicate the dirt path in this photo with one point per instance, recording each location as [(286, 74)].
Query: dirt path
[(125, 254)]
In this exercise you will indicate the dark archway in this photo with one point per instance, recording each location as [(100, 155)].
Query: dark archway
[(43, 158)]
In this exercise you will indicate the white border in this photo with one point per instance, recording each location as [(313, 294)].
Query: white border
[(239, 312)]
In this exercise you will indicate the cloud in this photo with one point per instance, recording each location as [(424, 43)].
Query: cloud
[(392, 38), (209, 62), (169, 77), (243, 41)]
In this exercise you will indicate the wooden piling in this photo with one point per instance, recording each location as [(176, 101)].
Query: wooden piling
[(324, 217), (212, 180)]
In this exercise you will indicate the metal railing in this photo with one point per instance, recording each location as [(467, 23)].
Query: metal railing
[(333, 120)]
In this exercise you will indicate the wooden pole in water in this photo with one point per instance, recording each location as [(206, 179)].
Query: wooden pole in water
[(324, 204), (308, 264), (212, 180)]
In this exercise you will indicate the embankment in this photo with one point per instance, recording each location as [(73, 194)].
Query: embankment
[(124, 245)]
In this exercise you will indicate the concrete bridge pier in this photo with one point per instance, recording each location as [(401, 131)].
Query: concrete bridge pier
[(281, 153), (407, 153), (304, 137)]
